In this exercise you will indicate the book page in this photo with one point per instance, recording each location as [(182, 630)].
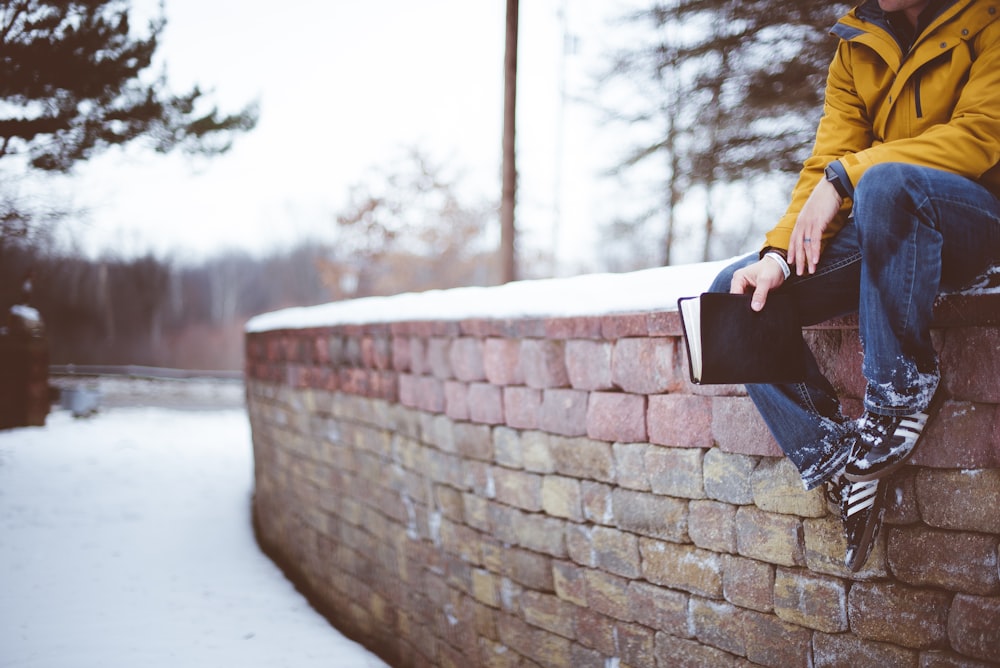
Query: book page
[(691, 312)]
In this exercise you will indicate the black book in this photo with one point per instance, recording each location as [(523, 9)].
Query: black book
[(730, 343)]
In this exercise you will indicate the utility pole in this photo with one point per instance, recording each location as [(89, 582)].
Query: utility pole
[(508, 196)]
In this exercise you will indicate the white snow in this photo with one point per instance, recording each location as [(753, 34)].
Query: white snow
[(588, 295), (591, 294), (125, 540), (26, 313)]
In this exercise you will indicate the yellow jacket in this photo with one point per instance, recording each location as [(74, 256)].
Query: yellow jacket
[(936, 106)]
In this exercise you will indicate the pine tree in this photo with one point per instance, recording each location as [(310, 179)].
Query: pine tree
[(73, 81)]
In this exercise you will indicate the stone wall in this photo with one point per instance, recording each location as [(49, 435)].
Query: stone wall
[(554, 492)]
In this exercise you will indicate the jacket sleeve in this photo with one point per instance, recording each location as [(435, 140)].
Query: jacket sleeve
[(843, 129)]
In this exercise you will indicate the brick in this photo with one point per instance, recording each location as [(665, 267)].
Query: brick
[(738, 427), (522, 407), (825, 548), (955, 499), (518, 488), (676, 472), (517, 634), (814, 601), (901, 498), (449, 501), (485, 403), (630, 465), (543, 364), (561, 497), (650, 515), (536, 452), (960, 436), (486, 587), (772, 642), (582, 657), (548, 612), (418, 356), (466, 359), (965, 562), (507, 448), (439, 431), (476, 511), (712, 525), (582, 458), (621, 325), (598, 502), (564, 412), (540, 533), (502, 361), (595, 631), (971, 373), (894, 613), (580, 327), (615, 416), (748, 583), (456, 405), (680, 420), (776, 539), (529, 569), (438, 358), (718, 624), (635, 644), (401, 353), (846, 649), (777, 488), (682, 653), (645, 365), (608, 595), (570, 582), (683, 567), (376, 352), (974, 626), (510, 595), (430, 395), (659, 608), (616, 552), (727, 476), (579, 544), (588, 365)]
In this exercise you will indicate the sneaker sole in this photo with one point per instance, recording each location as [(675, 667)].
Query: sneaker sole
[(882, 472)]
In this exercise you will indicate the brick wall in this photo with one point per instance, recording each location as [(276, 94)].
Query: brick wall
[(554, 492)]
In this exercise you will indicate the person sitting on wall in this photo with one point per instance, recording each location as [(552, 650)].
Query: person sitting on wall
[(898, 201)]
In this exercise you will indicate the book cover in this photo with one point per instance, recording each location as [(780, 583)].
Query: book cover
[(730, 343)]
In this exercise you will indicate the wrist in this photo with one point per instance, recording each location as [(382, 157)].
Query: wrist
[(781, 262)]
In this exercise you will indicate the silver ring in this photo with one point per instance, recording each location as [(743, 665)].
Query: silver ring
[(808, 240)]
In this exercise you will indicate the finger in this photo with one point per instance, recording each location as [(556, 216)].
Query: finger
[(739, 283), (814, 248), (759, 298)]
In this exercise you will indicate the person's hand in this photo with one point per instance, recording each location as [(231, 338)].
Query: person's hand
[(805, 245), (761, 277)]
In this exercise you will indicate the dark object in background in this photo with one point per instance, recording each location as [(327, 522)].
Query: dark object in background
[(24, 369)]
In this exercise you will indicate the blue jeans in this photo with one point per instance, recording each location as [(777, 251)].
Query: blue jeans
[(914, 232)]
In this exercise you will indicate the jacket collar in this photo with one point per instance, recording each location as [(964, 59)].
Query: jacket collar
[(870, 12)]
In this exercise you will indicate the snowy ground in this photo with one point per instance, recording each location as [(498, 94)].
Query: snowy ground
[(125, 540)]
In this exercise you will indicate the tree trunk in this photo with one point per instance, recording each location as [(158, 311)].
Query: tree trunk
[(508, 198)]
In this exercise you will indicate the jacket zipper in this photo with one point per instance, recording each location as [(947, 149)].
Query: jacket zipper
[(916, 95)]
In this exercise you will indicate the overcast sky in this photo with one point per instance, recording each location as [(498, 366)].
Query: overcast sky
[(344, 86)]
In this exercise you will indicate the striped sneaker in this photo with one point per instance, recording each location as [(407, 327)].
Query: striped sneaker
[(862, 506), (886, 442)]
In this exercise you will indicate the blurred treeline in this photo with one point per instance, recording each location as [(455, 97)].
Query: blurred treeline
[(405, 229)]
